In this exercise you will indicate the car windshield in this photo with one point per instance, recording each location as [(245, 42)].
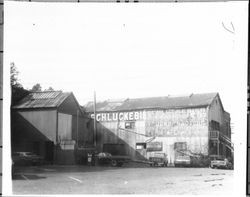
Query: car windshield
[(30, 154), (159, 154), (219, 159), (16, 154)]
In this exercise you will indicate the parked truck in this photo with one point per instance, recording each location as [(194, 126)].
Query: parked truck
[(158, 159), (113, 160)]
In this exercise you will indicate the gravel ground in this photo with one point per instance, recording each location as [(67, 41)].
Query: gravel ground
[(131, 179)]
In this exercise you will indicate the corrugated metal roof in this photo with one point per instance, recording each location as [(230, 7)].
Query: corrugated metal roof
[(167, 102), (45, 99)]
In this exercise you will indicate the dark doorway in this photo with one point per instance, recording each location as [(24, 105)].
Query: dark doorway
[(49, 151), (114, 149), (36, 147)]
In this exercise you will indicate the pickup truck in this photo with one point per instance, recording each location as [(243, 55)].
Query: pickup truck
[(221, 163), (158, 159), (182, 160), (113, 160)]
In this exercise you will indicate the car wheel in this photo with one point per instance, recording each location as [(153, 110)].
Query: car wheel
[(114, 163), (119, 164)]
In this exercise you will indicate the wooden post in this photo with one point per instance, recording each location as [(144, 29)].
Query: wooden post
[(218, 147), (95, 133), (77, 127)]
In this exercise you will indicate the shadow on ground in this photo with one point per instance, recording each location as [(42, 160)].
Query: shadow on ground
[(27, 177), (44, 169)]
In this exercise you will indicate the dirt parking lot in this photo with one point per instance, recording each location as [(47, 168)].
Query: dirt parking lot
[(121, 180)]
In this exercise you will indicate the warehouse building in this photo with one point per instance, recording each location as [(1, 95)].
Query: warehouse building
[(51, 124), (195, 123)]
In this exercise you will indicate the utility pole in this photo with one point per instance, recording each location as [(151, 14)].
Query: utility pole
[(77, 114), (95, 133)]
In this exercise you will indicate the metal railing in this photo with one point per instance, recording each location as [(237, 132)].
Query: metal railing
[(214, 135), (217, 135)]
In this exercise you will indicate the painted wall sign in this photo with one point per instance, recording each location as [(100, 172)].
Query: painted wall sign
[(121, 116), (188, 122), (154, 146)]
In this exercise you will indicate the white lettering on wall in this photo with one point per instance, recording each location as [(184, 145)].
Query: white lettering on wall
[(103, 117), (121, 116)]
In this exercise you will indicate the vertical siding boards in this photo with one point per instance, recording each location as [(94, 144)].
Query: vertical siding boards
[(169, 126), (180, 125), (217, 113), (85, 134), (64, 127), (168, 119), (48, 122), (43, 120)]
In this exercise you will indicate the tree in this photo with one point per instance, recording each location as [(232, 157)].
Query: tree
[(14, 81), (17, 90), (36, 88), (49, 89)]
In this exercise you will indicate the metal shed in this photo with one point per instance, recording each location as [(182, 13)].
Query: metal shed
[(51, 124)]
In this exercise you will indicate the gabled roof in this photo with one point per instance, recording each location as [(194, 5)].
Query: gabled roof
[(46, 99), (167, 102)]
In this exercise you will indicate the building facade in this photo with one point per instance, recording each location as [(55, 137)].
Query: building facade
[(51, 124), (196, 124)]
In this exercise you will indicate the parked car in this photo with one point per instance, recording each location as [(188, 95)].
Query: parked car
[(26, 158), (158, 159), (182, 160), (221, 163), (113, 160)]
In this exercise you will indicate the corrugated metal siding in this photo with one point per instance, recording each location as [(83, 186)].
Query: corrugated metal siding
[(64, 127), (42, 100), (43, 121), (45, 95), (69, 106), (168, 102), (84, 135)]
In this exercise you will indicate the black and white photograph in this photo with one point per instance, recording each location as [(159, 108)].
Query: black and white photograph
[(125, 98)]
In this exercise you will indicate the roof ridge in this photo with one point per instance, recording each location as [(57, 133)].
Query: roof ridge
[(46, 91), (154, 97), (177, 101)]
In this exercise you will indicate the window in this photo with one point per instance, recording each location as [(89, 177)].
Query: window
[(129, 125), (140, 146), (88, 124), (180, 145), (214, 125)]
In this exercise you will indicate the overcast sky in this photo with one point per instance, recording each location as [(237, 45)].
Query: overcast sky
[(128, 50), (132, 50)]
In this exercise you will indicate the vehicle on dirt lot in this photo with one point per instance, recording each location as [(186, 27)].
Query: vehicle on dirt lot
[(158, 159), (113, 160), (221, 163), (26, 158), (182, 160)]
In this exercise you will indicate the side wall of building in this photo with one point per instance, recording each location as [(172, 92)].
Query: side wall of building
[(219, 120), (171, 127), (34, 131), (44, 121), (165, 126)]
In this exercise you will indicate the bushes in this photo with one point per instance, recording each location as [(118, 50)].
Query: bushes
[(200, 161)]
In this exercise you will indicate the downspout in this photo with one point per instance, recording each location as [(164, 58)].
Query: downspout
[(77, 114), (95, 132), (56, 145), (208, 116)]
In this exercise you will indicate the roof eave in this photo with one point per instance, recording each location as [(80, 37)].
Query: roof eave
[(32, 108), (151, 108)]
